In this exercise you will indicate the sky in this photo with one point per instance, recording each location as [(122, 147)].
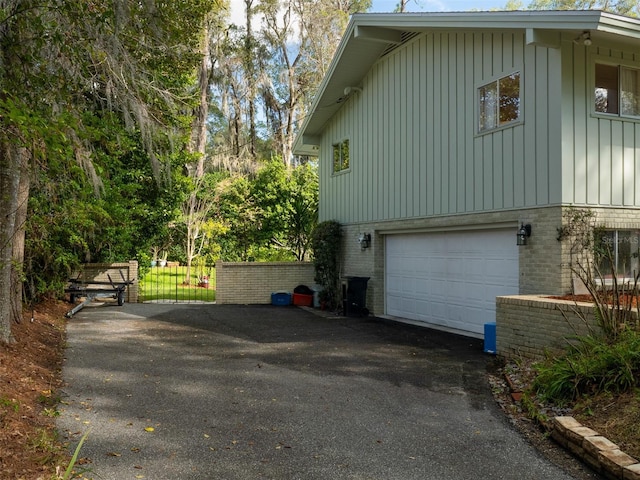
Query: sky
[(438, 5), (237, 6)]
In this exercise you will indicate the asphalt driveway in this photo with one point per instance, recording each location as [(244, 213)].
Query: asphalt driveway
[(262, 392)]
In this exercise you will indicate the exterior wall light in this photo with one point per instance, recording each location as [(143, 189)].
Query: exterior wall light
[(584, 38), (523, 233), (349, 90), (364, 239)]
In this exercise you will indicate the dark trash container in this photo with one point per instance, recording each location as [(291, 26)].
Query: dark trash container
[(354, 296), (303, 289)]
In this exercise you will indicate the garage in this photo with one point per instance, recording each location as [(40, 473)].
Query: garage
[(450, 279)]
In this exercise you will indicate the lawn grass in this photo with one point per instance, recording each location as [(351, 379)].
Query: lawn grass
[(167, 284)]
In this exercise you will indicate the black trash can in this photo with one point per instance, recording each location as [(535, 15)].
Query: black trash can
[(354, 296)]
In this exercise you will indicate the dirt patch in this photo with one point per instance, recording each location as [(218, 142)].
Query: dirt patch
[(616, 417), (30, 377)]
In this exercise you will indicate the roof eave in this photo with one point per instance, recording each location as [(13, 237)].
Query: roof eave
[(380, 30)]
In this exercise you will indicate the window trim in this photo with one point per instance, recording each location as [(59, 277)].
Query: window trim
[(496, 79), (606, 279), (339, 143), (614, 62)]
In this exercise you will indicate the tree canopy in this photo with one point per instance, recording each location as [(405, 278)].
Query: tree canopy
[(65, 65)]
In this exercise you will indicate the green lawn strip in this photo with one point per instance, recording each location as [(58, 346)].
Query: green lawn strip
[(167, 283)]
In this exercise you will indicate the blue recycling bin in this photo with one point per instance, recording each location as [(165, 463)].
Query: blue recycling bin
[(490, 337)]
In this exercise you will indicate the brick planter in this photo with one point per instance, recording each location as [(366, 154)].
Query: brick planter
[(529, 325)]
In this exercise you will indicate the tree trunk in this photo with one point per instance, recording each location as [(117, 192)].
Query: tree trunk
[(198, 146), (199, 126), (251, 83), (9, 183), (17, 268)]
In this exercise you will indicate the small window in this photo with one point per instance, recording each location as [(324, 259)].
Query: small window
[(341, 156), (617, 90), (618, 253), (499, 102)]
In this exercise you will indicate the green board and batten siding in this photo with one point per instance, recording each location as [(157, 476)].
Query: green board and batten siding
[(414, 126), (415, 123), (601, 154)]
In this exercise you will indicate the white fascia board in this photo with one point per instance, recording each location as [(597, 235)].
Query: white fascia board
[(618, 25), (299, 145)]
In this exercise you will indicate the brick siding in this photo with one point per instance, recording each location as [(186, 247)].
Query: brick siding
[(530, 325), (254, 282), (543, 262)]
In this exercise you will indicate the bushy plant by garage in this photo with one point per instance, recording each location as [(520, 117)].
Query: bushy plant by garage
[(608, 359), (592, 365), (326, 241)]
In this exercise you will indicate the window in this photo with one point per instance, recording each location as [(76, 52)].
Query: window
[(619, 251), (499, 102), (617, 90), (340, 156)]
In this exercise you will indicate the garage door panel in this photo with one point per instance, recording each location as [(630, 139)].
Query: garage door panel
[(393, 284), (450, 279)]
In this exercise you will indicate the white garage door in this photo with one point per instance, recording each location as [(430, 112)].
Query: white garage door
[(450, 279)]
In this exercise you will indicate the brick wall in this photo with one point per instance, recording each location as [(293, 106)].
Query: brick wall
[(254, 282), (100, 272), (540, 260), (609, 218), (543, 262), (529, 325), (357, 262)]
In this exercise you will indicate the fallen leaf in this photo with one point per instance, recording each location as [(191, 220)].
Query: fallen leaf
[(149, 429), (206, 436), (114, 454), (139, 467), (135, 449)]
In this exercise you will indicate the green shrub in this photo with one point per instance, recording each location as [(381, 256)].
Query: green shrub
[(592, 365), (326, 241)]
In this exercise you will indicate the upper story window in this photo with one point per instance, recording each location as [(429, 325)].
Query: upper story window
[(617, 90), (341, 156), (499, 102)]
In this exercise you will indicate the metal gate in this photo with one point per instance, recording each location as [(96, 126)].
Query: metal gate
[(169, 284)]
